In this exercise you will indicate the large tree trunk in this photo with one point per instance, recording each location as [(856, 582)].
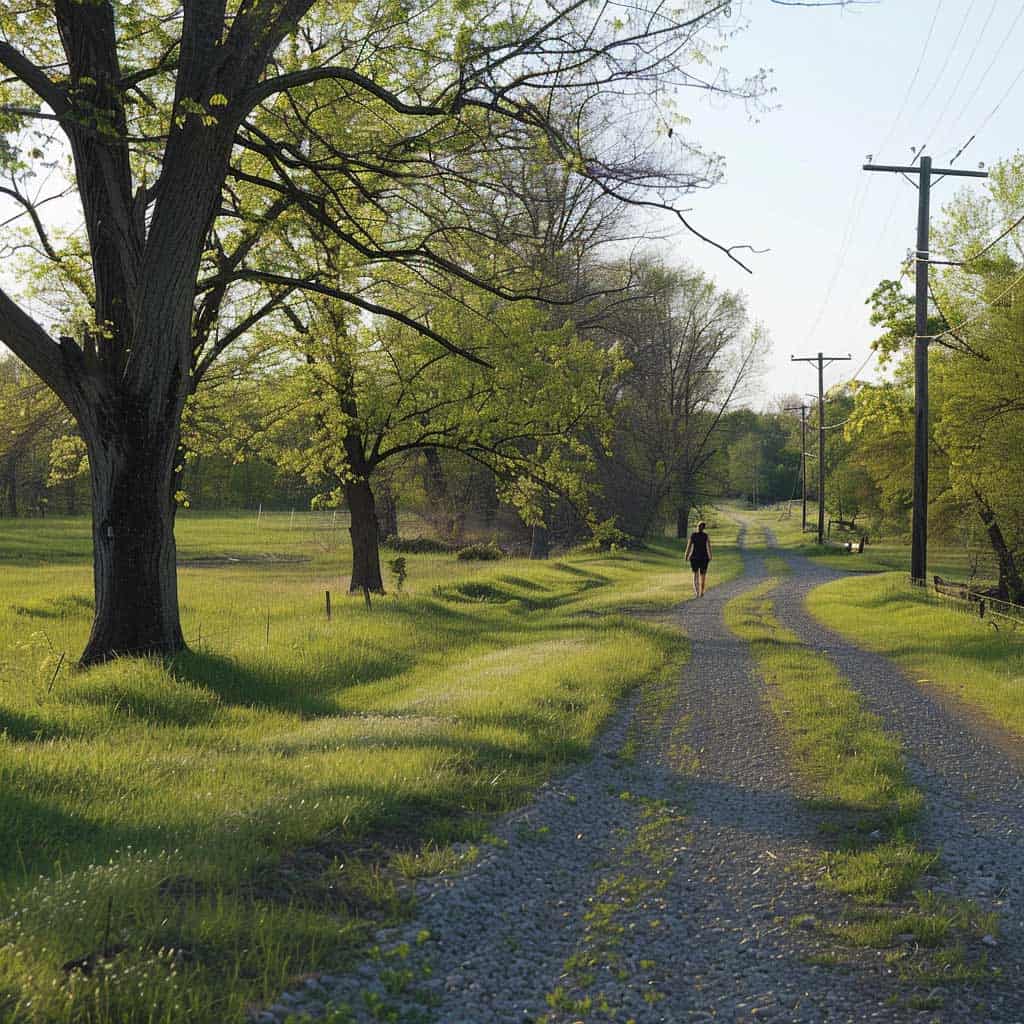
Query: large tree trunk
[(365, 533), (540, 542), (388, 517), (1011, 587), (683, 521), (134, 568)]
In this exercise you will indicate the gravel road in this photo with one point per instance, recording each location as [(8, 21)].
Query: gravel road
[(673, 879)]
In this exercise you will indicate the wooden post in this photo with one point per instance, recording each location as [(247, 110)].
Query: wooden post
[(327, 598)]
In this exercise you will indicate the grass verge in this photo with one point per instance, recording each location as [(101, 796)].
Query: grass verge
[(935, 643), (182, 840), (856, 778)]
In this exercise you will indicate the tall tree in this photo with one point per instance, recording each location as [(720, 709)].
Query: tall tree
[(376, 392), (177, 116), (693, 352)]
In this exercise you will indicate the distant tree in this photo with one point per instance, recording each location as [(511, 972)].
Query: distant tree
[(191, 127), (34, 432), (376, 392), (693, 353), (977, 416)]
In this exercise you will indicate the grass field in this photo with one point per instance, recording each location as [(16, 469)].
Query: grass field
[(200, 832), (881, 555), (937, 643)]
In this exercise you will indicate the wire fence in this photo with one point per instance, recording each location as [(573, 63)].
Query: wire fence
[(998, 612)]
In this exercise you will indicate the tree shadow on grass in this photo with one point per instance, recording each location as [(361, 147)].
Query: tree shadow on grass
[(278, 688), (36, 833), (30, 728)]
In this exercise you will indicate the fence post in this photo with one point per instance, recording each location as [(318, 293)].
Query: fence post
[(327, 597)]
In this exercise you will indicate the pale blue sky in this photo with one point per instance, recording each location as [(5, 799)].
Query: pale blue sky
[(794, 182)]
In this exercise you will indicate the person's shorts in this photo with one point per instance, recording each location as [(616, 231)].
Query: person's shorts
[(699, 564)]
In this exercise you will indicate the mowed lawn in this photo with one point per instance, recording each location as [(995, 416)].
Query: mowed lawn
[(199, 833)]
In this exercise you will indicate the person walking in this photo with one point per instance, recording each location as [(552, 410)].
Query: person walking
[(698, 554)]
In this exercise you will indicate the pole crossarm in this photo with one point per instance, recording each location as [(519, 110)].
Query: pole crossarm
[(951, 172)]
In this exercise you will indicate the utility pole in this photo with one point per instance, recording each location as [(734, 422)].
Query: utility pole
[(803, 460), (919, 525), (822, 362)]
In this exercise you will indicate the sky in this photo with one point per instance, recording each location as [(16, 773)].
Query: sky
[(872, 79), (875, 78)]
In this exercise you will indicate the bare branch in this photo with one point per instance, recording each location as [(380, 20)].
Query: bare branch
[(370, 307), (34, 77)]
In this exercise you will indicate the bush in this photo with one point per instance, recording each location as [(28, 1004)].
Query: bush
[(489, 552), (419, 546)]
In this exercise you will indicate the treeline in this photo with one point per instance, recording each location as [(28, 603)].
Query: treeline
[(605, 417)]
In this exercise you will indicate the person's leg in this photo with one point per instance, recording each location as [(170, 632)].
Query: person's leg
[(703, 581), (696, 583)]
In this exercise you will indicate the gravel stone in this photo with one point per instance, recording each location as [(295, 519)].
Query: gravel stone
[(719, 916)]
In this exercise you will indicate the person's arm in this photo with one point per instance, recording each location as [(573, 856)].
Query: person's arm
[(689, 551), (709, 549)]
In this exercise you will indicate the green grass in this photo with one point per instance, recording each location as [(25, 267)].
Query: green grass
[(882, 554), (855, 773), (934, 641), (245, 813), (851, 764)]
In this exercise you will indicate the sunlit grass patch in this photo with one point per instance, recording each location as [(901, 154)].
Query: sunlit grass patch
[(935, 644), (848, 759), (857, 776), (202, 831), (877, 874)]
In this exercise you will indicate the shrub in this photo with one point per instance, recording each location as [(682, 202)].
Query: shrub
[(489, 552), (419, 546)]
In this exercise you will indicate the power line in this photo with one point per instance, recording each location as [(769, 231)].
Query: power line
[(990, 66), (913, 80), (852, 218), (821, 360), (994, 110), (981, 252), (938, 78), (967, 63), (977, 316), (919, 525)]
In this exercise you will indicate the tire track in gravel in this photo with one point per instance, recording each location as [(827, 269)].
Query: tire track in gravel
[(973, 786), (747, 858), (661, 891)]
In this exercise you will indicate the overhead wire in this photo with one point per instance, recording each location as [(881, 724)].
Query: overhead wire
[(1006, 36), (913, 80), (938, 78), (992, 113), (852, 218), (977, 316)]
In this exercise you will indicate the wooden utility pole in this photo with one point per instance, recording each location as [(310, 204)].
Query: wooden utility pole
[(919, 525), (803, 461), (822, 362)]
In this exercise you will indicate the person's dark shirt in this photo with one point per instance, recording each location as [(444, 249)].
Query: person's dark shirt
[(699, 542)]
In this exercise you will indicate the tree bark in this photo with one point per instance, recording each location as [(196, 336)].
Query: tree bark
[(1011, 587), (540, 545), (134, 554), (388, 516), (683, 522), (365, 533)]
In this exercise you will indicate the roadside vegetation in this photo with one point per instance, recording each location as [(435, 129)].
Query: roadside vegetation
[(938, 643), (181, 840), (856, 779)]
